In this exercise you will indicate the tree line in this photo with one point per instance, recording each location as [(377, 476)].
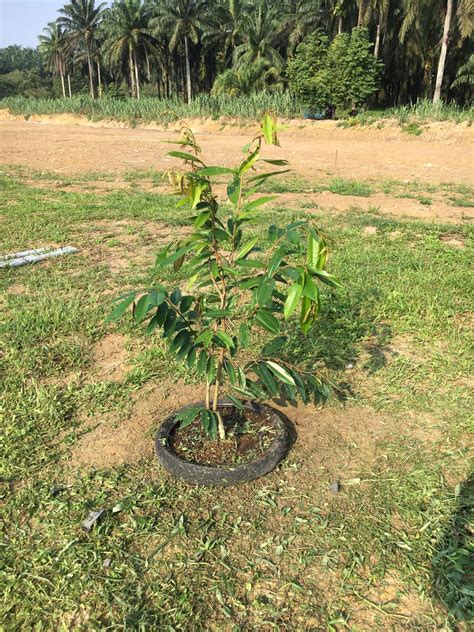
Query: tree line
[(422, 48)]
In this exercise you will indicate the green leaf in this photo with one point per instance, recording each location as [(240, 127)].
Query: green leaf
[(211, 369), (237, 402), (246, 248), (175, 296), (249, 162), (282, 374), (265, 176), (229, 369), (120, 309), (161, 314), (170, 323), (202, 362), (143, 306), (250, 206), (217, 313), (265, 291), (226, 339), (214, 171), (267, 321), (275, 260), (327, 278), (205, 337), (186, 303), (187, 416), (176, 255), (184, 155), (248, 263), (277, 162), (269, 130), (181, 338), (244, 335), (292, 300), (233, 190), (310, 289), (201, 219), (274, 346), (267, 379)]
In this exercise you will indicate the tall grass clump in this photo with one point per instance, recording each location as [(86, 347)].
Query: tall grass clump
[(152, 109), (421, 112)]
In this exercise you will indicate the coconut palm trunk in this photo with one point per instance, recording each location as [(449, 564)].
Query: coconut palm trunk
[(444, 51), (99, 80), (61, 71), (378, 35), (188, 68), (91, 74), (137, 80), (69, 85), (131, 72)]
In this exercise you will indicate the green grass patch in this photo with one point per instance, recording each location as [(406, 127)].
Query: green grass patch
[(282, 552)]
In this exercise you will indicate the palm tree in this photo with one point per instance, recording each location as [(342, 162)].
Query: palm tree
[(379, 9), (129, 38), (465, 16), (53, 49), (262, 35), (81, 19), (183, 20), (224, 27)]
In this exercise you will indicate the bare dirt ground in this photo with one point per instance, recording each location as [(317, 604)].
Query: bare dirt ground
[(443, 154)]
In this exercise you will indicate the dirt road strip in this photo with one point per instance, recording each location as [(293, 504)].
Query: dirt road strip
[(360, 153)]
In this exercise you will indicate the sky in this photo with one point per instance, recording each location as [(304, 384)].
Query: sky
[(21, 21)]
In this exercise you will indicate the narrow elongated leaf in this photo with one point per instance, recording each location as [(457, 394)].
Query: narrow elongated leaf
[(217, 313), (267, 320), (265, 291), (244, 335), (233, 190), (214, 171), (246, 248), (225, 338), (120, 309), (277, 162), (211, 369), (281, 373), (275, 260), (265, 176), (229, 368), (249, 162), (202, 362), (143, 306), (274, 346), (292, 300), (237, 402), (187, 416), (201, 219), (184, 155), (267, 379), (176, 255), (251, 206), (310, 289)]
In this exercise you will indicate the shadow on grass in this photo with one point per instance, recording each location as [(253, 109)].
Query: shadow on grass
[(453, 563), (345, 330)]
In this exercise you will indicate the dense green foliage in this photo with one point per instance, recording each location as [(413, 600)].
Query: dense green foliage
[(343, 73), (233, 285), (187, 47)]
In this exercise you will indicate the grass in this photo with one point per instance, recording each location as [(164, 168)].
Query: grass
[(412, 117), (152, 109), (390, 551)]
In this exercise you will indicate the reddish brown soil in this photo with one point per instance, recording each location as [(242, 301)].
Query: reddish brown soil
[(442, 154)]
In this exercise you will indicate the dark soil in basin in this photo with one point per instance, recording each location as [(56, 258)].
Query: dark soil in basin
[(249, 436)]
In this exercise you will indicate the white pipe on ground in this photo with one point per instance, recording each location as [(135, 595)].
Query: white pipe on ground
[(21, 261)]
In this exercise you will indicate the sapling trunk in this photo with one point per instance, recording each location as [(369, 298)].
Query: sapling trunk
[(215, 400)]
